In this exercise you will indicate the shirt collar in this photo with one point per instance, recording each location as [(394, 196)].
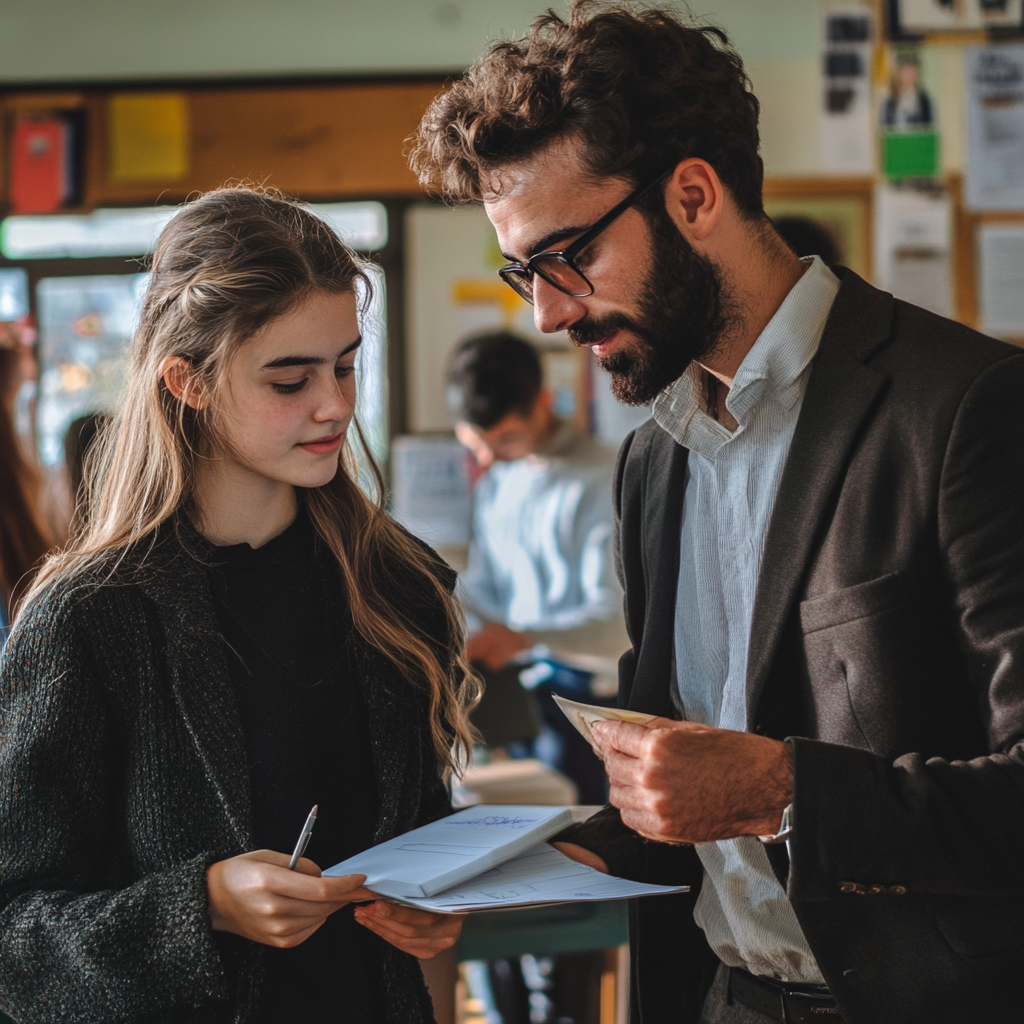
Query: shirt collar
[(774, 366)]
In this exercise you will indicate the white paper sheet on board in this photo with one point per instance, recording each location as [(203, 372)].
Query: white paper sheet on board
[(1001, 274), (912, 246), (995, 127)]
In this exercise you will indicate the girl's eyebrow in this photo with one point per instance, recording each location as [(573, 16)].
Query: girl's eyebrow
[(285, 361)]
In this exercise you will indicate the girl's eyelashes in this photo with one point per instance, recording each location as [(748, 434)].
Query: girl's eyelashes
[(290, 389)]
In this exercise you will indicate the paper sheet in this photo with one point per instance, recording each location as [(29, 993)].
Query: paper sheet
[(583, 717), (452, 850), (995, 128), (1001, 266), (149, 136), (542, 875)]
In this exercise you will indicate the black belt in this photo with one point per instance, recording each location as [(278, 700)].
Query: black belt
[(793, 1004)]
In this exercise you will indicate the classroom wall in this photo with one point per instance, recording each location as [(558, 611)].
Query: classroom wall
[(58, 41)]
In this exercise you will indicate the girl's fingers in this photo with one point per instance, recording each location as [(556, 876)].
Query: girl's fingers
[(415, 931)]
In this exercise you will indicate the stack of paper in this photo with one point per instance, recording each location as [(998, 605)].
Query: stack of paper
[(486, 858)]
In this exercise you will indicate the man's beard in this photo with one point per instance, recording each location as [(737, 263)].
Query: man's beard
[(684, 311)]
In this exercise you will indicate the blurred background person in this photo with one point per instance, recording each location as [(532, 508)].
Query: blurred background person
[(808, 237), (24, 537), (543, 603), (78, 442)]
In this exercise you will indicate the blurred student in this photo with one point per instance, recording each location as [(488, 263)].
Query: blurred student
[(540, 584), (236, 633), (24, 538), (808, 237), (79, 441)]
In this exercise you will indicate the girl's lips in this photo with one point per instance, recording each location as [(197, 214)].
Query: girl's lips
[(322, 445)]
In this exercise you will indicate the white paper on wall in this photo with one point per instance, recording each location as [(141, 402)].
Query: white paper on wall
[(1001, 274), (847, 140), (912, 246), (430, 489), (995, 127)]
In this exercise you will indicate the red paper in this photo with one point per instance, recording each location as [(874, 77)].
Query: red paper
[(39, 166)]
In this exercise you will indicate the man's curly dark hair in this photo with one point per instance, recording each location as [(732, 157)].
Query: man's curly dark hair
[(637, 86)]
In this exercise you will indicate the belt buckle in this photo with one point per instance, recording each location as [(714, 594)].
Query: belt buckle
[(813, 1005)]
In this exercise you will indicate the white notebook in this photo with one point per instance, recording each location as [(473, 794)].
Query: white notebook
[(540, 876), (428, 860)]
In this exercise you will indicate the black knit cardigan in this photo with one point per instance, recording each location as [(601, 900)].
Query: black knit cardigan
[(123, 777)]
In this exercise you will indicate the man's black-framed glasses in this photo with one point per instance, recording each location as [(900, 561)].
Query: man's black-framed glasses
[(559, 267)]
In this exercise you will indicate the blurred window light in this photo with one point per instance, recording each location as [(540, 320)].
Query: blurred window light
[(133, 232), (13, 294), (361, 225), (100, 233)]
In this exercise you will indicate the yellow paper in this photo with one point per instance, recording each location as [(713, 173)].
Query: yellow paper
[(149, 136)]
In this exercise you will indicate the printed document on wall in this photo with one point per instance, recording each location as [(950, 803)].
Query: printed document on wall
[(912, 246), (1001, 285), (995, 128)]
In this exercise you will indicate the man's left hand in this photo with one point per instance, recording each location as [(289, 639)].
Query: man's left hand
[(678, 782), (496, 645)]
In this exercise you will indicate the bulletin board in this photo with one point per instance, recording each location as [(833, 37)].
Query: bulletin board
[(842, 205)]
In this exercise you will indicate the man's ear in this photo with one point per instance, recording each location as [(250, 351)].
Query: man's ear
[(694, 198), (181, 381)]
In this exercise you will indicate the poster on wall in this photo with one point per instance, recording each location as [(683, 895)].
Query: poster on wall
[(1001, 284), (995, 127), (847, 145), (957, 15), (913, 231)]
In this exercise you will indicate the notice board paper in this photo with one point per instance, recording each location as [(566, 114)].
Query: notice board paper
[(1001, 288), (912, 246), (149, 137), (995, 128)]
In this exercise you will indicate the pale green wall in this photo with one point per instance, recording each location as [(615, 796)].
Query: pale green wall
[(81, 40)]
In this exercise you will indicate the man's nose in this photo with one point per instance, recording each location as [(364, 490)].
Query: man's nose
[(553, 310)]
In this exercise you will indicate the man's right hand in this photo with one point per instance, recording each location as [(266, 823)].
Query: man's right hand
[(582, 855), (255, 895)]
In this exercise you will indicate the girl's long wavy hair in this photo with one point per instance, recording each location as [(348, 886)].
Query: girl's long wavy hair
[(228, 264)]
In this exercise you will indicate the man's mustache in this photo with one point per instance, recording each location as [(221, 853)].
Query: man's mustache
[(590, 331)]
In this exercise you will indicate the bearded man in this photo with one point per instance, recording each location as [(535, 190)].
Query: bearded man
[(821, 545)]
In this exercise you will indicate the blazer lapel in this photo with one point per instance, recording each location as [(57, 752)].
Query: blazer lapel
[(662, 502), (840, 394)]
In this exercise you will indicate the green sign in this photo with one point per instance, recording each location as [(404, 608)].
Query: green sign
[(910, 154)]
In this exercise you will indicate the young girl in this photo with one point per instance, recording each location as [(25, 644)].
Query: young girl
[(236, 634)]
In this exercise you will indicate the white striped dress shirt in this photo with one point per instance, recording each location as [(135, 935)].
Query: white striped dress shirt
[(732, 480)]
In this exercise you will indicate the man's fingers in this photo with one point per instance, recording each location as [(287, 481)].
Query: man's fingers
[(622, 768), (626, 737)]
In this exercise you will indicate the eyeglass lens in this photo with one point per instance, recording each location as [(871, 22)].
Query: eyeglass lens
[(557, 271)]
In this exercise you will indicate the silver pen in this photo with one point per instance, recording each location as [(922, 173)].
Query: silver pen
[(300, 846)]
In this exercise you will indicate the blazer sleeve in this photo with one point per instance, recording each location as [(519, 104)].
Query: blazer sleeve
[(943, 826), (75, 946)]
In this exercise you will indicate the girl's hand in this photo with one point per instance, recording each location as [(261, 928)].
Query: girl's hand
[(418, 932), (255, 895)]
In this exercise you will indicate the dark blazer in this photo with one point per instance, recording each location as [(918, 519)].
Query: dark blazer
[(123, 777), (888, 642)]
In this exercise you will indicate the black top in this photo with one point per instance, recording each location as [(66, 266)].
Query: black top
[(306, 740)]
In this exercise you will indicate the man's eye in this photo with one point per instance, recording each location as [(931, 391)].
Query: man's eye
[(290, 389), (343, 371)]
